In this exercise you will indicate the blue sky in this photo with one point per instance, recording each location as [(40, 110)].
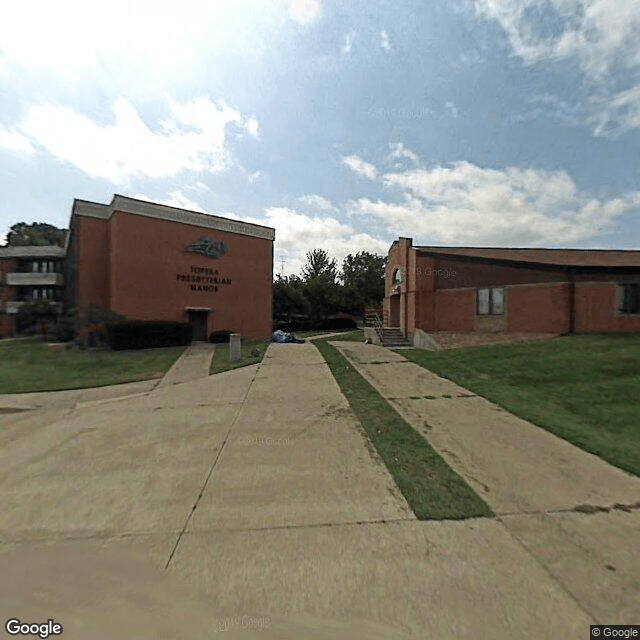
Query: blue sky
[(342, 125)]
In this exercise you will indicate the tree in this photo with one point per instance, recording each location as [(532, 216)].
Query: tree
[(319, 265), (321, 289), (288, 298), (363, 281), (22, 234)]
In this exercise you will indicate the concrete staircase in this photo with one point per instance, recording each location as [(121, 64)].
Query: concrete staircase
[(389, 336)]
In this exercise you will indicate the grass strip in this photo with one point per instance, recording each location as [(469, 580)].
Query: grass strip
[(582, 388), (220, 361), (432, 489), (31, 365)]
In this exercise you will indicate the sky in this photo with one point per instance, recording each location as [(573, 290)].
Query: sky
[(343, 125)]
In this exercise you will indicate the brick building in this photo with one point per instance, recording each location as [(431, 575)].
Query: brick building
[(29, 274), (525, 290), (147, 261)]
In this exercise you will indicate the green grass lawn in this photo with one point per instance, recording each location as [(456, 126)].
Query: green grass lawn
[(356, 335), (319, 332), (31, 365), (432, 489), (584, 389), (220, 361)]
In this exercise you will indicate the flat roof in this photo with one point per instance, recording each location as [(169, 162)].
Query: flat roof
[(134, 206), (559, 257), (33, 251)]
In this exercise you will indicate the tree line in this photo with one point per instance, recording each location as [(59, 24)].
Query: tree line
[(38, 234), (321, 290)]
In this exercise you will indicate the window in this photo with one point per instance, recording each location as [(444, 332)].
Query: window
[(629, 298), (490, 301)]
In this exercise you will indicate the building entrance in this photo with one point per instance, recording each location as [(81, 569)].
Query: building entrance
[(198, 322)]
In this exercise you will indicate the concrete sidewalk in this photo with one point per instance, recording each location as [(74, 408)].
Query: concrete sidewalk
[(260, 494), (531, 478), (193, 364)]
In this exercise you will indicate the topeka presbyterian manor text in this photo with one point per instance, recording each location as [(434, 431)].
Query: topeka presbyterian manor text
[(202, 279)]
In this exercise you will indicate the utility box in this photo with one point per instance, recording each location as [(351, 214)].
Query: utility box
[(234, 347)]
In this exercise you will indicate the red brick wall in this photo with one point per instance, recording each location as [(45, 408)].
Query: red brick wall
[(454, 273), (92, 273), (147, 255), (398, 258), (425, 295), (455, 310), (597, 309), (538, 308)]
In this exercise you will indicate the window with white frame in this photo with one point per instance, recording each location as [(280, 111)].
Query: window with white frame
[(629, 298), (490, 301)]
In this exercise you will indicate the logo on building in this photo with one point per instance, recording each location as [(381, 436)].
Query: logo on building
[(207, 247)]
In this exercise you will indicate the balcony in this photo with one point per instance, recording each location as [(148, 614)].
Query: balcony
[(13, 306), (35, 279)]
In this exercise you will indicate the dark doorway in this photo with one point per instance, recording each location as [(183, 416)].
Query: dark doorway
[(198, 322), (394, 311)]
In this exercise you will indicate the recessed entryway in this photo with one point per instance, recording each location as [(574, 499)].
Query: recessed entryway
[(198, 322)]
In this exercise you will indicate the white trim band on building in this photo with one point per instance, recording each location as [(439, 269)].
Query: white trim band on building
[(47, 251), (172, 214)]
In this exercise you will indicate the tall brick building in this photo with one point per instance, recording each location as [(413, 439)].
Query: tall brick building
[(525, 290), (147, 261)]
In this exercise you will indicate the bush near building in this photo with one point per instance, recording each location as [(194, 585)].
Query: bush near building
[(147, 335)]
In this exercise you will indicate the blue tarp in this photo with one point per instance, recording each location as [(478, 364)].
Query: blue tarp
[(283, 336)]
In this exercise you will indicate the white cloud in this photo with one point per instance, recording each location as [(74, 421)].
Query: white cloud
[(384, 41), (298, 233), (617, 113), (399, 151), (15, 141), (316, 201), (451, 107), (303, 11), (193, 138), (253, 127), (596, 31), (71, 35), (255, 176), (601, 35), (348, 42), (3, 239), (466, 204), (359, 166), (175, 199)]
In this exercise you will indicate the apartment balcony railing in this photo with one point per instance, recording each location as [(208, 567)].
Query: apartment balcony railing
[(35, 279), (13, 306)]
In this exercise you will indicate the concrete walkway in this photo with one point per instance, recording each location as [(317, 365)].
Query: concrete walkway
[(193, 364), (251, 502), (532, 479)]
